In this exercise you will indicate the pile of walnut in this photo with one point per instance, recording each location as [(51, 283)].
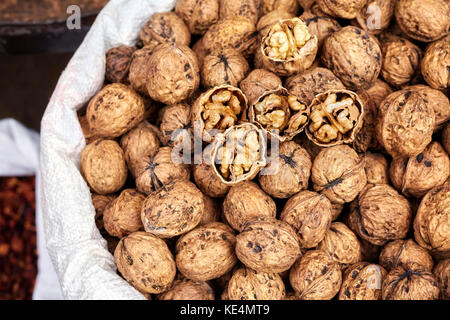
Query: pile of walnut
[(195, 199)]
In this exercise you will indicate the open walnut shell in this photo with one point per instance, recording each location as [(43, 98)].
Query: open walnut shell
[(362, 281), (239, 154), (406, 254), (336, 118), (279, 114), (266, 21), (288, 47)]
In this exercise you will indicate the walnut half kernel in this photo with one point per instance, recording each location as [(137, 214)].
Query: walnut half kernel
[(336, 117)]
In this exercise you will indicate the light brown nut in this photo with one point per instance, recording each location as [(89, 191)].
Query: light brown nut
[(341, 244), (140, 142), (114, 110), (267, 246), (206, 252), (211, 212), (410, 284), (446, 137), (406, 254), (315, 276), (198, 15), (165, 27), (309, 214), (248, 284), (122, 216), (176, 126), (188, 290), (118, 60), (354, 56), (174, 209), (227, 66), (257, 82), (286, 5), (377, 170), (249, 9), (423, 20), (366, 138), (376, 15), (378, 92), (336, 118), (415, 176), (266, 21), (362, 281), (436, 63), (145, 262), (347, 9), (140, 68), (442, 274), (289, 174), (288, 47), (174, 73), (103, 166), (246, 201), (336, 210), (239, 153), (405, 123), (100, 202), (217, 109), (319, 24), (338, 173), (89, 136), (154, 172), (380, 214), (432, 221)]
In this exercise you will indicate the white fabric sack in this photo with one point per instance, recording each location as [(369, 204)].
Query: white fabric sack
[(85, 268)]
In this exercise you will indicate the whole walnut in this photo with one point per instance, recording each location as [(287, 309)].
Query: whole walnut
[(267, 245), (442, 274), (227, 66), (249, 9), (446, 137), (174, 73), (140, 142), (266, 21), (118, 60), (258, 82), (245, 202), (436, 63), (145, 262), (354, 56), (376, 15), (315, 276), (347, 9), (198, 15), (248, 284), (122, 216), (376, 167), (165, 27), (289, 173), (380, 214), (415, 176), (319, 24), (211, 212), (378, 92), (338, 173), (307, 85), (414, 283), (176, 126), (405, 123), (406, 254), (186, 289), (341, 244), (362, 281), (114, 110), (401, 60), (310, 215), (290, 6), (140, 68), (103, 166), (100, 202), (206, 252), (432, 221), (423, 20), (174, 209)]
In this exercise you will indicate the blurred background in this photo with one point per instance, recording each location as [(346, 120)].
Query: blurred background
[(37, 40)]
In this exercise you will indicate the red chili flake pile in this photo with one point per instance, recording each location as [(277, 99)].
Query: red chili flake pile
[(18, 253)]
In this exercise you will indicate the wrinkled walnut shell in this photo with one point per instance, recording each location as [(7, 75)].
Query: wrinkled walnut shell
[(140, 68), (165, 27), (378, 92), (320, 24), (176, 126), (100, 202), (362, 281), (257, 82), (406, 254), (211, 212), (249, 9), (436, 63), (442, 274), (347, 9), (446, 138), (376, 15), (188, 290), (377, 170), (290, 6), (198, 15), (118, 60), (266, 21)]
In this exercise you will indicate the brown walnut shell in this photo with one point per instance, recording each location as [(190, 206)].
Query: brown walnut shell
[(288, 174), (315, 276), (249, 9), (103, 166), (320, 24), (174, 73), (377, 170), (165, 27), (406, 254), (176, 126), (100, 202), (376, 15), (415, 176), (336, 210), (248, 284), (198, 15), (211, 212), (354, 56), (306, 4), (188, 290), (118, 60), (362, 281), (338, 173), (442, 274), (257, 82), (378, 92), (309, 214), (290, 6), (436, 63), (366, 138), (174, 209), (347, 9), (446, 138), (267, 246), (246, 201), (380, 214), (206, 252), (140, 68), (145, 262), (114, 110)]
